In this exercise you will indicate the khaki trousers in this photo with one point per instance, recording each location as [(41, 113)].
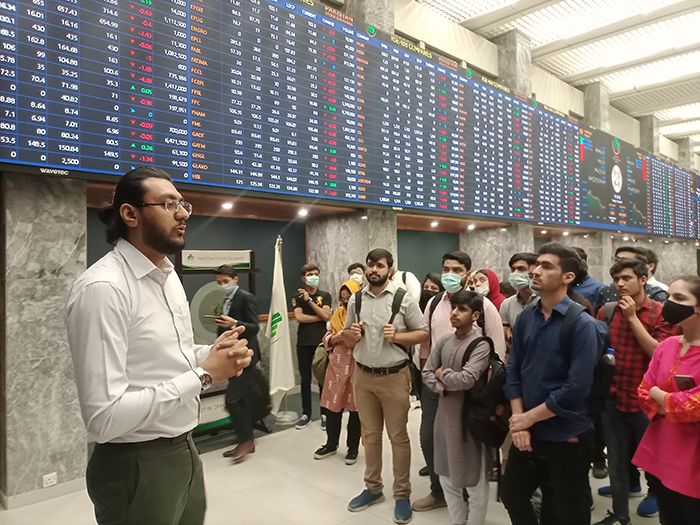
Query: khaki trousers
[(385, 400)]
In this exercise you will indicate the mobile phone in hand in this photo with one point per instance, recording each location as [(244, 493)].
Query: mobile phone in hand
[(685, 382)]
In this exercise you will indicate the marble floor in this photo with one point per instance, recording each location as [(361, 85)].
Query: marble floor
[(282, 483)]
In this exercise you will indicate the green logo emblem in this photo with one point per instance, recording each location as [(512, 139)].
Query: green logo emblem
[(276, 320), (371, 30)]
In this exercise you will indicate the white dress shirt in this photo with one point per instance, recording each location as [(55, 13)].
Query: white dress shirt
[(130, 335)]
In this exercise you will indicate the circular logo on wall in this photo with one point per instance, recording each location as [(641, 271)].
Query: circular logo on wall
[(617, 179), (208, 300)]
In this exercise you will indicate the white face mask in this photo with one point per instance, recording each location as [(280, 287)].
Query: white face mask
[(227, 288), (482, 290)]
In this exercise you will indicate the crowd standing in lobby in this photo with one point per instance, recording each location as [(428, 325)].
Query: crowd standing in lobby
[(139, 376)]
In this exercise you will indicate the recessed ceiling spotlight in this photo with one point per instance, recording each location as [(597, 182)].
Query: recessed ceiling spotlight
[(665, 242), (543, 231), (585, 236), (612, 236), (651, 240), (303, 212), (434, 223), (471, 227), (503, 229), (227, 205), (364, 217), (565, 234), (625, 238), (697, 244)]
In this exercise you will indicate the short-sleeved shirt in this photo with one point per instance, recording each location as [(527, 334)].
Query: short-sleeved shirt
[(310, 334), (631, 361), (512, 307), (373, 349)]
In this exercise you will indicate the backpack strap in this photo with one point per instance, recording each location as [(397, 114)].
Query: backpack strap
[(358, 305), (472, 346), (403, 277), (433, 305), (396, 303), (566, 335), (609, 312)]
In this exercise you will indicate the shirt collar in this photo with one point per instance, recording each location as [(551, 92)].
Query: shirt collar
[(561, 307), (139, 263), (390, 289)]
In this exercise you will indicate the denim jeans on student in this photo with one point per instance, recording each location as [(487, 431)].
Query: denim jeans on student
[(623, 431), (429, 405)]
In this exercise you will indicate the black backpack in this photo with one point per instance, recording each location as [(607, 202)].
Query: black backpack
[(395, 307), (486, 410)]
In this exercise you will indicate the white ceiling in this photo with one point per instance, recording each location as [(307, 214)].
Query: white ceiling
[(647, 52)]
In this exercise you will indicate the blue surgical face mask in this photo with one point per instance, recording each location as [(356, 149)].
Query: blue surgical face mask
[(312, 280), (226, 288), (452, 282), (519, 281)]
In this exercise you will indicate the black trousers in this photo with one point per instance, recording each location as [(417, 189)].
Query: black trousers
[(561, 471), (674, 508), (147, 484), (305, 356), (239, 405), (335, 421), (429, 405)]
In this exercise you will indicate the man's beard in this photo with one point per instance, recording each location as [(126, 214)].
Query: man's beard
[(158, 240), (374, 282)]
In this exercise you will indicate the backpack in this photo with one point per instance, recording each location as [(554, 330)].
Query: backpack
[(395, 307), (486, 410)]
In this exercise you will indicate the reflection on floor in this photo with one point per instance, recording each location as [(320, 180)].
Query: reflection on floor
[(282, 484)]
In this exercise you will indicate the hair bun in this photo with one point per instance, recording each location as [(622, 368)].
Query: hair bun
[(106, 214)]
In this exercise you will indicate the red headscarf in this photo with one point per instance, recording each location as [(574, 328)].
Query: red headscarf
[(495, 295)]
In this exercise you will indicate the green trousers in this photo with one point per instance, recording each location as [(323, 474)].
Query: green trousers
[(147, 484)]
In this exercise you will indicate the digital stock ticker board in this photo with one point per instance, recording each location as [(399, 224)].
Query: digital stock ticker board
[(300, 99)]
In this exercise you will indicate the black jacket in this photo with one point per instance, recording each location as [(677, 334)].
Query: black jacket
[(244, 309)]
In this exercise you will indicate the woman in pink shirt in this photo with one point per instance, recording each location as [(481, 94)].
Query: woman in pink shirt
[(670, 397)]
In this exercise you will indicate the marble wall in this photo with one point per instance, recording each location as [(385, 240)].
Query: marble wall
[(685, 154), (649, 136), (380, 13), (599, 248), (596, 103), (335, 242), (492, 248), (515, 61), (44, 252)]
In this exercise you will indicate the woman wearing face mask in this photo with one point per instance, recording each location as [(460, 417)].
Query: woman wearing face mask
[(432, 285), (670, 397), (486, 284), (337, 392)]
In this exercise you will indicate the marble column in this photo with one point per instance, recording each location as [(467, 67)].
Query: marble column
[(378, 13), (334, 242), (649, 134), (515, 61), (685, 154), (596, 104), (599, 248), (43, 251), (492, 248)]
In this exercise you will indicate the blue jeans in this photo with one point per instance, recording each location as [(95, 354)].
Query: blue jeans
[(623, 431)]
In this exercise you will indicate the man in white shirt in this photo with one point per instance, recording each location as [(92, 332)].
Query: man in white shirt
[(456, 269), (137, 369)]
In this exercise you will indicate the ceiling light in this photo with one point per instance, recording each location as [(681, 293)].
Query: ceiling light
[(697, 244), (303, 212), (543, 231), (434, 223), (471, 227), (364, 217), (651, 240), (503, 229), (625, 238), (612, 236), (565, 234), (585, 236), (665, 242), (227, 205)]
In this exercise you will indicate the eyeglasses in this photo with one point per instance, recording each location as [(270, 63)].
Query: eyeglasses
[(172, 205)]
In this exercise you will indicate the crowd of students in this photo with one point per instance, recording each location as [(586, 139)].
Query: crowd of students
[(551, 322)]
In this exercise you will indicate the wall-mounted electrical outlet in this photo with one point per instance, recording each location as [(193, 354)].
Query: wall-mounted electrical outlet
[(50, 479)]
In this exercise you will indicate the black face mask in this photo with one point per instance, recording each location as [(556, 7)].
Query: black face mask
[(675, 313), (425, 296)]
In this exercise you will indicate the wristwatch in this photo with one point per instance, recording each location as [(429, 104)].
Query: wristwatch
[(204, 377)]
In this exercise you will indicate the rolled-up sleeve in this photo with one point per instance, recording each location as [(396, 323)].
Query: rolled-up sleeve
[(97, 321), (413, 317), (586, 342)]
